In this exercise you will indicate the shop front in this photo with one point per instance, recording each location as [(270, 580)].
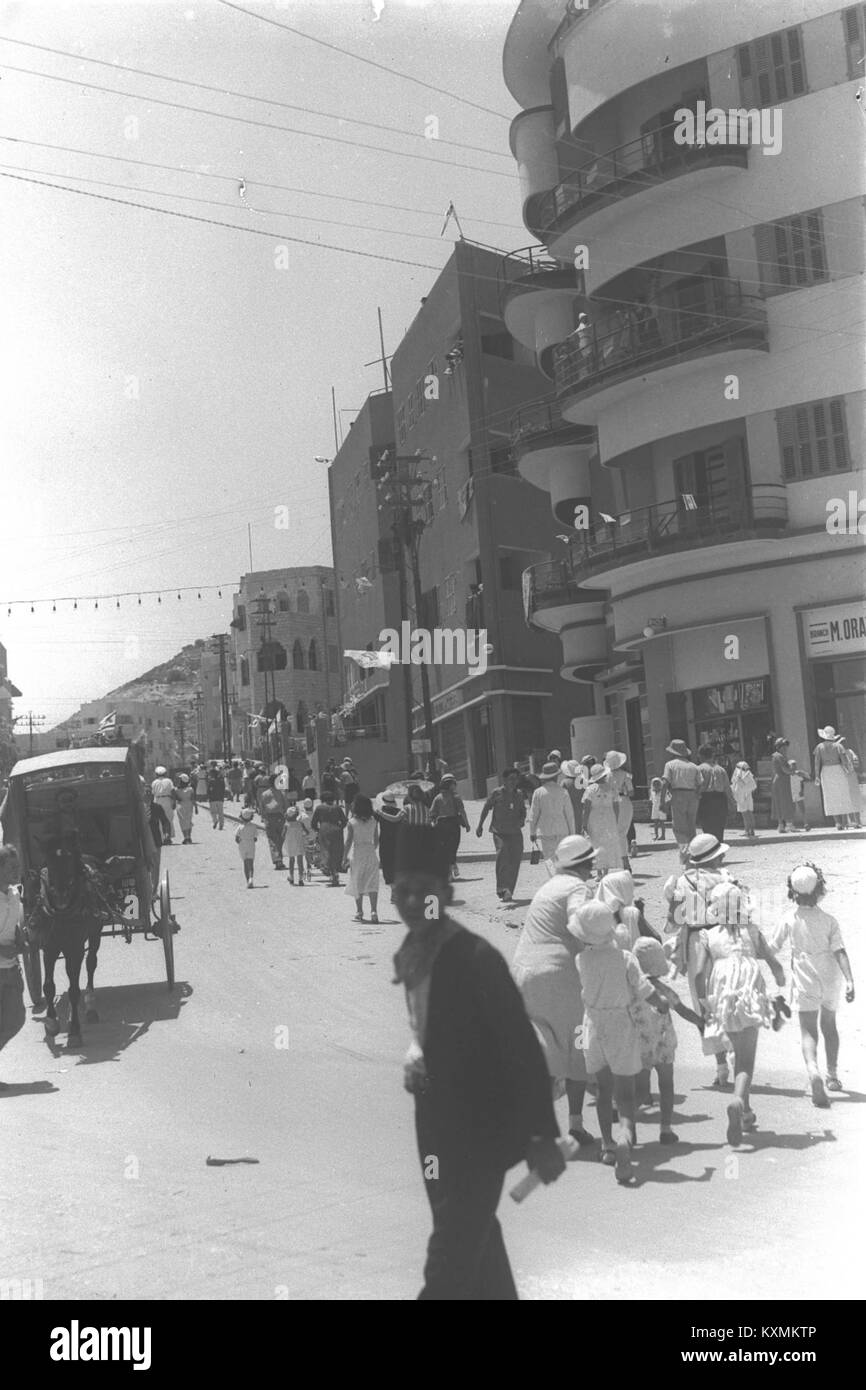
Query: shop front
[(834, 643)]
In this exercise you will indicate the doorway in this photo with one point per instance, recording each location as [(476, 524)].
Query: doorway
[(636, 757)]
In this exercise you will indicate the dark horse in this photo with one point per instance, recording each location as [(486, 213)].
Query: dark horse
[(68, 916)]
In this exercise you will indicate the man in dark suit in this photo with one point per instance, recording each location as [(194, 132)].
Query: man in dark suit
[(482, 1093)]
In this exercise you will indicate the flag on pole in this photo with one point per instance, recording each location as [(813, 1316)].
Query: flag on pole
[(108, 723), (611, 520), (370, 659)]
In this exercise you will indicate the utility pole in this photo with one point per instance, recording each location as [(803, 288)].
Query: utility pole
[(225, 718), (180, 727), (33, 721), (264, 615), (406, 491), (199, 724)]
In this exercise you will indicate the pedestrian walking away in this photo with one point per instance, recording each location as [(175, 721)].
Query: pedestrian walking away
[(732, 995), (12, 1011), (657, 1035), (819, 965), (164, 797), (783, 802), (187, 807), (715, 799), (481, 1090), (272, 808), (415, 808), (507, 810), (200, 774), (544, 971), (599, 819), (448, 815), (831, 776), (389, 816), (246, 836), (360, 860), (329, 820), (294, 844), (216, 794), (236, 779), (551, 817), (851, 768), (623, 789), (349, 783), (658, 808), (683, 785)]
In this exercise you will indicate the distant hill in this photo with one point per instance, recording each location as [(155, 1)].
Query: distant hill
[(173, 682)]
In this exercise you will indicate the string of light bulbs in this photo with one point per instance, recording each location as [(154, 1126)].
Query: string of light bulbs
[(80, 600)]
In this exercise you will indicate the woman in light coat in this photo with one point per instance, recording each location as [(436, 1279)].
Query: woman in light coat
[(621, 781), (599, 819), (550, 815), (831, 775)]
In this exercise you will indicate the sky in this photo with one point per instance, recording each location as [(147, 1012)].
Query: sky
[(165, 382)]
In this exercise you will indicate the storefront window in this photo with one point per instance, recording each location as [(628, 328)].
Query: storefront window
[(735, 720), (840, 688)]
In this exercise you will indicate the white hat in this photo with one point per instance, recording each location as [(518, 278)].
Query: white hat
[(804, 879), (829, 732), (160, 771), (549, 771), (598, 772), (570, 767), (614, 760), (728, 905), (573, 850), (555, 753), (704, 848), (595, 924), (650, 956)]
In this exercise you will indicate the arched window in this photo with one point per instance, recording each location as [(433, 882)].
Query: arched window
[(298, 655), (245, 671), (313, 658), (284, 603), (303, 601), (301, 717), (272, 656)]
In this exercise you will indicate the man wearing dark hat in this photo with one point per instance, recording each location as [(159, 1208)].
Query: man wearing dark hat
[(683, 783), (482, 1094)]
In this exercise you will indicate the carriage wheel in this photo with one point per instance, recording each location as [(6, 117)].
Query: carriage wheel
[(166, 927), (32, 962)]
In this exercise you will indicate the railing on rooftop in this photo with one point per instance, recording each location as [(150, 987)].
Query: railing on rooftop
[(540, 418)]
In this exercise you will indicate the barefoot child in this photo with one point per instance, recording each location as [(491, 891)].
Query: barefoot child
[(611, 981), (245, 839), (732, 995), (658, 1039), (743, 788), (658, 809), (819, 962)]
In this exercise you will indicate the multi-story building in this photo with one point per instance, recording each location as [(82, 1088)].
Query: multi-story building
[(133, 717), (373, 723), (8, 693), (299, 673), (719, 361), (457, 378)]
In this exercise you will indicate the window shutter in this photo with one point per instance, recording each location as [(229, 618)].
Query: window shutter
[(840, 435), (822, 443), (815, 241), (804, 442), (766, 254), (854, 24), (787, 447)]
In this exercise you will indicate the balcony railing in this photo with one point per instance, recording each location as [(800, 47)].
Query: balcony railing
[(651, 159), (658, 337), (533, 267), (757, 510), (368, 732), (541, 419), (574, 10)]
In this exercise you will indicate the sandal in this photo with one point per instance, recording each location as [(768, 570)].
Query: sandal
[(358, 917), (833, 1083), (818, 1094)]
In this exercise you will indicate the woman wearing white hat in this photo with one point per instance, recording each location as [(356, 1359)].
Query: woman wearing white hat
[(830, 773), (544, 970), (851, 766), (623, 788), (164, 797), (683, 784), (599, 818), (550, 815)]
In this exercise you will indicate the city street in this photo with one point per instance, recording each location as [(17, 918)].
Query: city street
[(283, 1044)]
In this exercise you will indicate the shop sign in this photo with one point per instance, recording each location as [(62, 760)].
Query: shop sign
[(835, 631), (446, 703)]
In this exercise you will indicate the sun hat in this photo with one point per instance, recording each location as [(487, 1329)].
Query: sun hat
[(587, 758), (598, 772), (728, 905), (447, 777), (594, 924), (549, 771), (782, 743), (292, 813), (160, 771), (573, 850), (704, 848), (247, 813), (829, 732), (183, 778), (570, 767), (390, 798), (615, 760), (308, 801), (650, 956), (554, 753), (804, 879), (679, 748), (616, 890)]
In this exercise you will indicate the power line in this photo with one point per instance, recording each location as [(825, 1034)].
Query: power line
[(370, 62), (249, 96), (254, 183), (264, 125)]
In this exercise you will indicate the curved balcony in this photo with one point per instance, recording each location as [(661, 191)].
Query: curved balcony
[(574, 10), (540, 425), (531, 284), (684, 523), (647, 162), (589, 362)]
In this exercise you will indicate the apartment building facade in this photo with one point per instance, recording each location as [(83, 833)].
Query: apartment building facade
[(718, 362), (156, 720), (285, 655), (457, 377)]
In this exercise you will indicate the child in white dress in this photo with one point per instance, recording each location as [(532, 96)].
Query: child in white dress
[(730, 988), (819, 963), (294, 844), (658, 1038), (743, 788), (658, 809), (362, 839), (245, 839)]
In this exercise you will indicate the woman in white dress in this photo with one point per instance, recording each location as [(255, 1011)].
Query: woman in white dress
[(599, 819), (360, 858), (832, 777), (623, 786)]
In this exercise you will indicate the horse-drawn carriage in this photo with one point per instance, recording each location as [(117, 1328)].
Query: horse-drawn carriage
[(85, 804)]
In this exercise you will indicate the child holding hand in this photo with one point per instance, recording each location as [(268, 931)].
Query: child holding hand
[(819, 963), (658, 1038)]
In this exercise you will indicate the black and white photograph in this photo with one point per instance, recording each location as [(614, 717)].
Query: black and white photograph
[(432, 450)]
